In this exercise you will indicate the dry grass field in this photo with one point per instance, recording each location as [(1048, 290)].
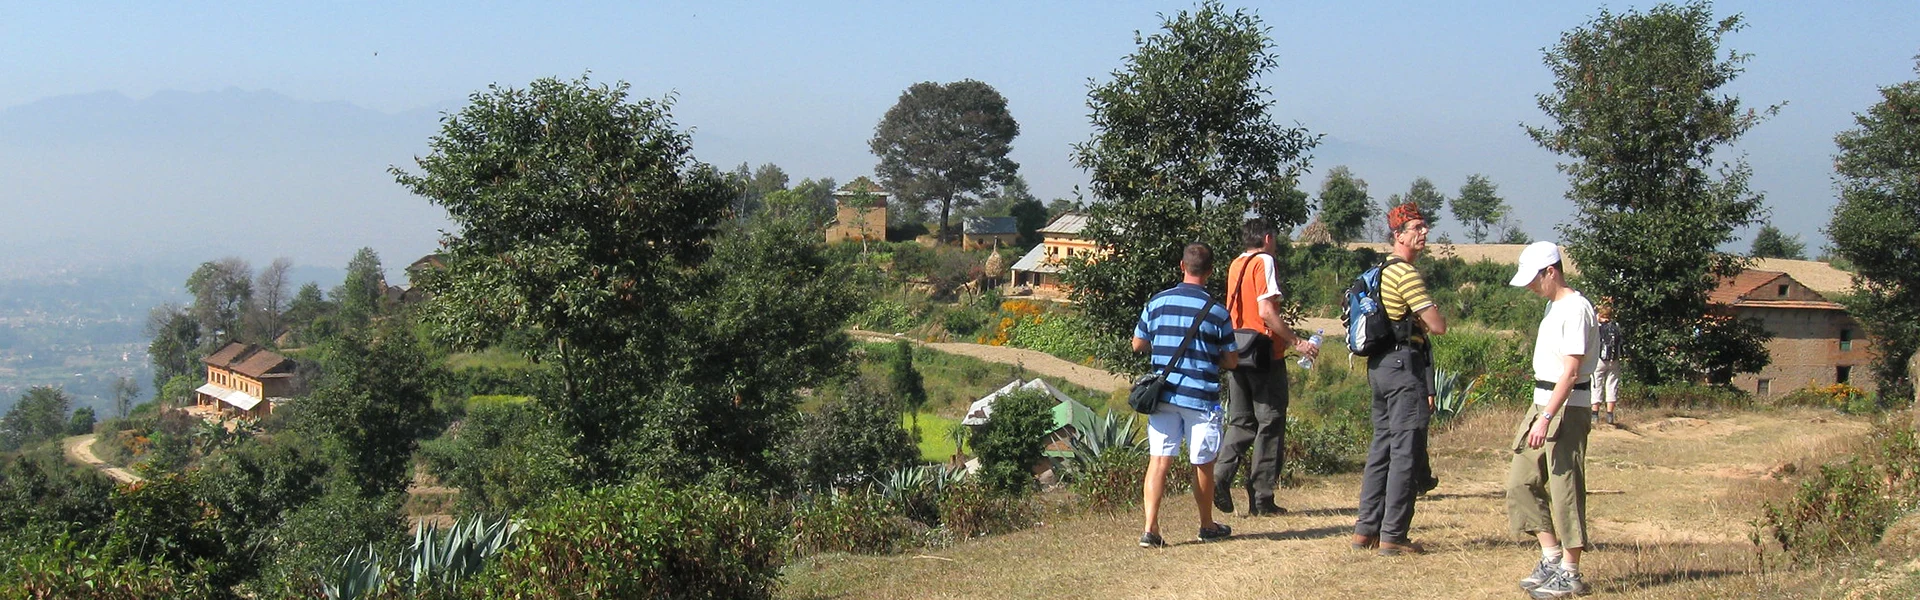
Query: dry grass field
[(1673, 495)]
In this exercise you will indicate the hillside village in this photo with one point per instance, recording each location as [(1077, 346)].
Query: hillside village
[(627, 373)]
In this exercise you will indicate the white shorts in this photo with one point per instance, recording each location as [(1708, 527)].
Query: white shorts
[(1169, 425)]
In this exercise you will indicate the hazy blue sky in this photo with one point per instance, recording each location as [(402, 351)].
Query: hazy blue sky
[(1401, 89)]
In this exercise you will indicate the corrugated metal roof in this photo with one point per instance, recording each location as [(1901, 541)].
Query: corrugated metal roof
[(1066, 224), (992, 225), (237, 398), (982, 409), (1035, 261)]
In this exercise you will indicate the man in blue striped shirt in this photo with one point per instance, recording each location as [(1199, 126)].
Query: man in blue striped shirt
[(1189, 406)]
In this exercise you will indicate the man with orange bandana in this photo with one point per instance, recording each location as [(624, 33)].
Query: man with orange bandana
[(1401, 392)]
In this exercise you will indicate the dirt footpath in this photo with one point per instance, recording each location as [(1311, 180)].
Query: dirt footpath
[(79, 448), (1671, 497), (1035, 361)]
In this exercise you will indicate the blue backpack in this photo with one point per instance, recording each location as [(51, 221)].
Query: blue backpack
[(1369, 331)]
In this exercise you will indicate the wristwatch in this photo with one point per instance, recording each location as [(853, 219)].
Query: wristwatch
[(1546, 416)]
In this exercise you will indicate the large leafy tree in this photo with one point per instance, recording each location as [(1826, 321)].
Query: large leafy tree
[(1345, 207), (1876, 225), (40, 415), (175, 346), (359, 295), (1639, 111), (586, 227), (1185, 146), (222, 291), (371, 406), (945, 144), (1478, 207), (1770, 242)]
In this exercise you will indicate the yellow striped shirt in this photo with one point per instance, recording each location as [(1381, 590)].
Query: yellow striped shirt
[(1403, 293)]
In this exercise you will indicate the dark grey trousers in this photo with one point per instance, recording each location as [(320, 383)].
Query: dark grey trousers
[(1256, 421), (1400, 415)]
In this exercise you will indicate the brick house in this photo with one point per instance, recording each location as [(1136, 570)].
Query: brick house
[(860, 213), (1816, 342), (989, 233), (1040, 268), (245, 380)]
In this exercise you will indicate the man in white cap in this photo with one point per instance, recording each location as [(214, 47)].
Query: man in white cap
[(1546, 484)]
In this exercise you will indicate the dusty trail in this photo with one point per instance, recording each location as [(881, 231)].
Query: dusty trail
[(79, 448), (1669, 519), (1036, 361)]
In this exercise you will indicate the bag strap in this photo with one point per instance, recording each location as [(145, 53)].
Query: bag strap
[(1181, 352), (1239, 287)]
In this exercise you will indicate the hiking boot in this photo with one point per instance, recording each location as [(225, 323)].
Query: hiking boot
[(1152, 540), (1219, 531), (1395, 549), (1223, 501), (1541, 573), (1427, 485), (1563, 584), (1266, 509), (1364, 542), (1610, 420)]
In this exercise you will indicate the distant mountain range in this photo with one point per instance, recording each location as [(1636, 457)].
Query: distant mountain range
[(101, 178)]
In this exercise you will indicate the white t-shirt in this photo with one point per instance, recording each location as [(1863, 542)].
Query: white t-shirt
[(1569, 328)]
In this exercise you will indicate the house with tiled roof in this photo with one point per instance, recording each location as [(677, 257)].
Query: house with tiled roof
[(1061, 239), (245, 379), (1815, 341)]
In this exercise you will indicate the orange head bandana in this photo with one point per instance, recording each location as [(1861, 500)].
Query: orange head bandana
[(1399, 216)]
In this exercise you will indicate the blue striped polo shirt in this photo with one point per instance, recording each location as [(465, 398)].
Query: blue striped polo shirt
[(1195, 382)]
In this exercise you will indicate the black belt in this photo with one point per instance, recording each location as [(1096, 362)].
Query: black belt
[(1542, 384)]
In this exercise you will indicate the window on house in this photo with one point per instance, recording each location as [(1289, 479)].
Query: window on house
[(1764, 387), (1846, 340), (1841, 373), (1783, 289)]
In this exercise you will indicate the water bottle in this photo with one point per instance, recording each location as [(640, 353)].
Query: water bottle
[(1306, 362)]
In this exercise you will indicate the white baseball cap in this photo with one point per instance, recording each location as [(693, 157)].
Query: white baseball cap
[(1537, 256)]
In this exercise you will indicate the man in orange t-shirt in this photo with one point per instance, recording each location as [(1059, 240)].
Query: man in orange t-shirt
[(1256, 398)]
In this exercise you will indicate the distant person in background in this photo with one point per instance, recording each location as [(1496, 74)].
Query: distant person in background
[(1402, 395), (1606, 376), (1257, 397), (1189, 407), (1547, 481)]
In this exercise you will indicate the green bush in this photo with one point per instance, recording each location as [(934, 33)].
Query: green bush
[(1845, 508), (1839, 511), (64, 568), (640, 540), (974, 508), (1013, 440), (849, 441), (1323, 447), (1063, 334), (501, 457), (1112, 481), (886, 314), (854, 521), (963, 322)]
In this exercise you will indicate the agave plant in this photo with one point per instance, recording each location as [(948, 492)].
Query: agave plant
[(1450, 396), (1095, 437), (442, 556), (358, 574), (455, 553)]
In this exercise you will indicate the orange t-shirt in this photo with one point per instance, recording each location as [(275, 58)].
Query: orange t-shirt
[(1252, 279)]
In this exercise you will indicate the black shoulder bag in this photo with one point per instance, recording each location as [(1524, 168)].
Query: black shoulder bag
[(1255, 348), (1145, 395)]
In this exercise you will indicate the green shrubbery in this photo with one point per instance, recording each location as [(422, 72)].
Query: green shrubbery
[(1013, 439), (849, 441), (855, 521), (641, 540), (1845, 507), (65, 568)]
